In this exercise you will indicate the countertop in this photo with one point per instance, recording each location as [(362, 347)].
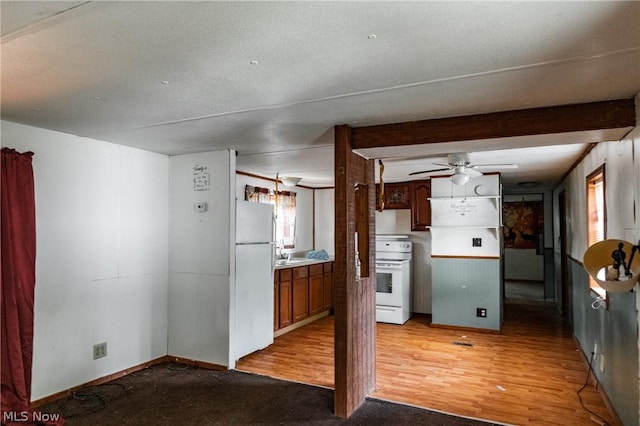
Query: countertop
[(294, 262)]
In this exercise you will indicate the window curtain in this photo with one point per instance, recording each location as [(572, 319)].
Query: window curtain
[(17, 283), (284, 208)]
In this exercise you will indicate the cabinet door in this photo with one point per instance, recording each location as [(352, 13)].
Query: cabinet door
[(420, 206), (300, 293), (328, 285), (285, 304), (316, 294), (397, 196)]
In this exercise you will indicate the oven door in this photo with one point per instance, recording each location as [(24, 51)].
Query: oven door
[(388, 284)]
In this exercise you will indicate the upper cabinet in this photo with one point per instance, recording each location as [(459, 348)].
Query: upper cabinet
[(420, 206), (396, 195)]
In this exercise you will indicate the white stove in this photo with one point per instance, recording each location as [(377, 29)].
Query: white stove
[(393, 279)]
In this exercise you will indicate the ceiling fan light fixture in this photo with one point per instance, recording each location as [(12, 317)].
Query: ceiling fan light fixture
[(459, 178), (290, 181)]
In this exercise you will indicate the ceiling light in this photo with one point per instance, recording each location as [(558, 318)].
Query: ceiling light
[(372, 36), (459, 178), (164, 82), (254, 62), (290, 181)]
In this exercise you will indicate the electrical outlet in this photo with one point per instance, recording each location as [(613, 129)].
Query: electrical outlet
[(481, 312), (100, 350), (476, 242), (595, 348), (602, 363)]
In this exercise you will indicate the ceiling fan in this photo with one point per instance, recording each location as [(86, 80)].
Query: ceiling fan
[(463, 169)]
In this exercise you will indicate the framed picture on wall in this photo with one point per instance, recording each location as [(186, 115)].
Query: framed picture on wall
[(523, 224)]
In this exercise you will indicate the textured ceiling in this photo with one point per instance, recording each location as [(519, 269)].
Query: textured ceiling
[(177, 77)]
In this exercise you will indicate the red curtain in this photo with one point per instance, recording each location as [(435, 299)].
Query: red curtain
[(17, 284)]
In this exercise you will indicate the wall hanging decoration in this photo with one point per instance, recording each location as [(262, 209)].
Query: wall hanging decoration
[(523, 224)]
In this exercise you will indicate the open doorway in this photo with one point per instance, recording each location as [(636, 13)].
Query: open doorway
[(523, 228)]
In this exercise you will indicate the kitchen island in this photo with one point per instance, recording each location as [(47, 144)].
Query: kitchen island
[(303, 293)]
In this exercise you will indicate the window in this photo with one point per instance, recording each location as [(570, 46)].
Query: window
[(597, 215), (284, 203)]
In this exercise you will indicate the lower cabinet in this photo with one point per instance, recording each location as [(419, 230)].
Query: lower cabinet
[(301, 292), (285, 299), (316, 289), (327, 283)]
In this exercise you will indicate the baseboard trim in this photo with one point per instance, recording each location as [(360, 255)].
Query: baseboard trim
[(300, 323), (195, 363), (109, 377)]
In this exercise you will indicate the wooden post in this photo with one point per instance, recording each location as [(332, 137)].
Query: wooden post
[(355, 332)]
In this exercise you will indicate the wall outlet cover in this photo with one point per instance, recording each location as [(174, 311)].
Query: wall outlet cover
[(481, 312), (477, 242), (100, 350)]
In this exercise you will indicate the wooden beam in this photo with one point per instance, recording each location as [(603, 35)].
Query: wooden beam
[(535, 121)]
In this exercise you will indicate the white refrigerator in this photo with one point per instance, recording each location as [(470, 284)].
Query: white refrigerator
[(255, 250)]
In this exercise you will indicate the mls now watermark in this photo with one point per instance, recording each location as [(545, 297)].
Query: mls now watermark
[(29, 416)]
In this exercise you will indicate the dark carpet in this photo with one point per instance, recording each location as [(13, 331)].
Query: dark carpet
[(177, 394)]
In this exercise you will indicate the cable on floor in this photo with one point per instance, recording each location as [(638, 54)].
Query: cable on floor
[(597, 418), (143, 372), (177, 366), (90, 399)]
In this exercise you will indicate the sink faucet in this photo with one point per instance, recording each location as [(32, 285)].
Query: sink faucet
[(288, 257)]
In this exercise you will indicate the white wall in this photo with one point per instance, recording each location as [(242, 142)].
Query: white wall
[(325, 218), (201, 257), (304, 208), (620, 193), (102, 248)]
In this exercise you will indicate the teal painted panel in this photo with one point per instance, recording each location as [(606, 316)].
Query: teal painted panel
[(460, 286), (615, 331)]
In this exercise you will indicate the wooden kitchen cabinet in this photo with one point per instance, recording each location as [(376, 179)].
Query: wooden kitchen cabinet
[(327, 282), (300, 294), (396, 195), (285, 299), (316, 289), (420, 205)]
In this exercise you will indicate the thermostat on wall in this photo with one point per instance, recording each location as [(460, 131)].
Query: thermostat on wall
[(200, 207)]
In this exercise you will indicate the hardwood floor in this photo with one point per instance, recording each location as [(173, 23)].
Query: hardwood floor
[(527, 374)]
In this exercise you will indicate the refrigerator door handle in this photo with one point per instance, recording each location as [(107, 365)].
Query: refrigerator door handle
[(273, 255)]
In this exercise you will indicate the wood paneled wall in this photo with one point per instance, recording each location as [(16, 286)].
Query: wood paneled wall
[(354, 300)]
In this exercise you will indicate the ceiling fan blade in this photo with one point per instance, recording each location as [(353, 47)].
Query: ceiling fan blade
[(429, 171), (494, 166)]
